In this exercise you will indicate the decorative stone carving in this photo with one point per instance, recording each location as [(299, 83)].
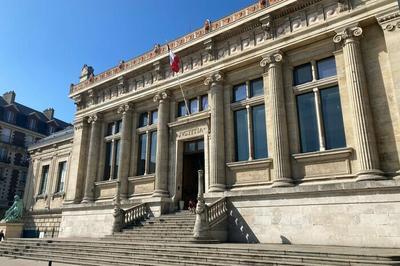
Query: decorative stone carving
[(347, 33), (209, 46), (93, 118), (267, 26), (213, 78), (207, 25), (389, 22), (123, 109), (157, 48), (122, 85), (262, 3), (118, 212), (344, 5), (157, 70), (271, 58), (86, 72), (78, 101), (161, 97), (90, 97)]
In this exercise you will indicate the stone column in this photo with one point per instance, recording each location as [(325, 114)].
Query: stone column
[(93, 156), (217, 142), (276, 113), (365, 143), (161, 182), (124, 155)]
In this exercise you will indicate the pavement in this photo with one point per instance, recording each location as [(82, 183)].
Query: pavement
[(5, 261)]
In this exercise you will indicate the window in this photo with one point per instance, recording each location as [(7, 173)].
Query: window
[(32, 124), (154, 117), (4, 155), (195, 105), (250, 142), (43, 181), (302, 74), (62, 171), (153, 152), (9, 116), (19, 139), (29, 140), (147, 146), (319, 110), (141, 168), (5, 135), (148, 118), (112, 145)]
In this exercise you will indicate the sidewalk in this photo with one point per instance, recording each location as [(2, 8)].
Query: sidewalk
[(6, 261)]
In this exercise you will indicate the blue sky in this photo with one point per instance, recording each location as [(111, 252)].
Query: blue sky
[(44, 43)]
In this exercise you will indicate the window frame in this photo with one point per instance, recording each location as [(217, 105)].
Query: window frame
[(200, 109), (112, 140), (44, 181), (61, 188), (146, 130)]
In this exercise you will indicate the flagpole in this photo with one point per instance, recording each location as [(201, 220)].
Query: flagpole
[(183, 94)]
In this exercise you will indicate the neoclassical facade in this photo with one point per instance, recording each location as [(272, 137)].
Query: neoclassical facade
[(292, 111)]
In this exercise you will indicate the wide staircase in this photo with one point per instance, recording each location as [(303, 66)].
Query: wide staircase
[(167, 240)]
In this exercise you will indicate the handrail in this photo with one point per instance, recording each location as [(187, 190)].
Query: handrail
[(134, 214), (217, 212)]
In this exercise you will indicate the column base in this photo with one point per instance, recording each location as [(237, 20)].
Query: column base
[(217, 188), (370, 175), (160, 193), (87, 200), (282, 182), (397, 176)]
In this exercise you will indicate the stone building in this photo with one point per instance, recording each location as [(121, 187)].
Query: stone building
[(20, 126), (294, 118)]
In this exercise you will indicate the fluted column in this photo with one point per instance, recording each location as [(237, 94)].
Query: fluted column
[(365, 142), (93, 157), (217, 147), (124, 156), (275, 111), (161, 181)]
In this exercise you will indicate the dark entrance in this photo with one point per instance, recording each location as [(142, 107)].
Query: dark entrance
[(193, 160)]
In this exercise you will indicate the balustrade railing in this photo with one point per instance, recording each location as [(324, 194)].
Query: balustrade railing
[(217, 211), (135, 214)]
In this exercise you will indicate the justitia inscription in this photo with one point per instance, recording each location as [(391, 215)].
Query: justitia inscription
[(191, 132)]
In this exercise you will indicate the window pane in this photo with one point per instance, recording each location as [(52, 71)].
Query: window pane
[(332, 117), (110, 128), (200, 145), (5, 135), (204, 102), (62, 167), (239, 92), (259, 132), (193, 106), (154, 117), (256, 87), (326, 67), (107, 165), (43, 184), (241, 135), (153, 152), (143, 120), (118, 125), (181, 109), (142, 154), (302, 74), (116, 158), (307, 122)]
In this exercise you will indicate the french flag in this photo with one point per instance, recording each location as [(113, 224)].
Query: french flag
[(173, 61)]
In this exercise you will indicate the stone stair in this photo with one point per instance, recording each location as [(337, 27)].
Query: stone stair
[(167, 240)]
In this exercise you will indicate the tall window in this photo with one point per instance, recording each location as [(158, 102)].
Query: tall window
[(6, 135), (249, 121), (62, 171), (9, 116), (4, 155), (318, 106), (195, 105), (43, 180), (112, 140), (147, 147), (32, 124)]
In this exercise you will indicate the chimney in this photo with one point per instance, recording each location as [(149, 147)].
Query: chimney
[(49, 113), (9, 97)]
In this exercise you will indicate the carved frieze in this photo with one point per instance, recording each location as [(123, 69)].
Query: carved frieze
[(389, 22), (192, 132)]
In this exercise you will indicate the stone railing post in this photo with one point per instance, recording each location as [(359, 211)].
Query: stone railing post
[(118, 212), (201, 227), (161, 179), (365, 143), (217, 146), (276, 113), (93, 155), (124, 158)]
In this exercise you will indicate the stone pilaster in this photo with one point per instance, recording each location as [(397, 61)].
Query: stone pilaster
[(276, 113), (365, 143), (161, 179), (125, 111), (217, 146), (93, 155)]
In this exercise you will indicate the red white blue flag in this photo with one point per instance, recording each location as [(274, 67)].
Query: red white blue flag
[(173, 61)]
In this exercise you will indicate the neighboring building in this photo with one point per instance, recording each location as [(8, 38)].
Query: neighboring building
[(20, 126), (295, 119)]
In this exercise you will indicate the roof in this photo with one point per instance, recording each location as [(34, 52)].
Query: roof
[(54, 138)]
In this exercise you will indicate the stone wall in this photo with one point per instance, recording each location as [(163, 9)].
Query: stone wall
[(349, 214), (47, 223)]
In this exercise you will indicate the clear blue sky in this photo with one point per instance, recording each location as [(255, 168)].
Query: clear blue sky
[(44, 43)]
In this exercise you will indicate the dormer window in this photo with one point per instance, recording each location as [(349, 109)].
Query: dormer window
[(32, 124), (10, 116), (51, 129)]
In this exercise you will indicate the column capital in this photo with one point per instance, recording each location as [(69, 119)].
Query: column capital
[(347, 33), (389, 21), (123, 109), (275, 57), (93, 118), (214, 78), (161, 97)]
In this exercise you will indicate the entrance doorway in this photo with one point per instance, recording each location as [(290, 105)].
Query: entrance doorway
[(193, 160)]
